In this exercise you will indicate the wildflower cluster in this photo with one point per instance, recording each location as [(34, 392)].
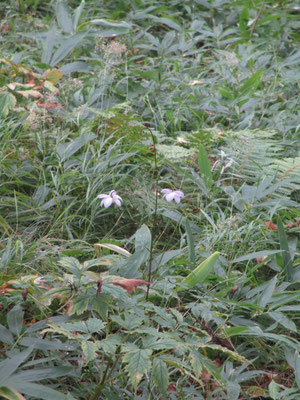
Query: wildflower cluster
[(113, 198)]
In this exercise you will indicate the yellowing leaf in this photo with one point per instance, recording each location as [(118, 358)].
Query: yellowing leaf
[(52, 75), (28, 93)]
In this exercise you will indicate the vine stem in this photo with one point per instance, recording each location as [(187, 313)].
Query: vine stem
[(155, 213)]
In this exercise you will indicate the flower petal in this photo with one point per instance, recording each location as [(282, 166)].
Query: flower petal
[(102, 196), (118, 201), (107, 202), (170, 196), (166, 191)]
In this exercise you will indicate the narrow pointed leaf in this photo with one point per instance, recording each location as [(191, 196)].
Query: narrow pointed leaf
[(15, 320), (284, 247), (204, 167), (200, 273), (138, 364), (11, 394), (190, 240), (63, 17), (267, 293), (10, 365), (160, 375)]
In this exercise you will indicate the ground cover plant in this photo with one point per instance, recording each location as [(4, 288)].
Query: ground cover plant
[(149, 208)]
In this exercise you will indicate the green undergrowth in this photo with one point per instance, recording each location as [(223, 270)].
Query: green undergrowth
[(150, 298)]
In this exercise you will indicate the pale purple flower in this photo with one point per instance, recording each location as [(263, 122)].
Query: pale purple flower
[(109, 199), (170, 195)]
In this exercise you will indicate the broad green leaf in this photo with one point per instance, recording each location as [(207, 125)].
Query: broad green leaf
[(160, 375), (95, 325), (267, 293), (113, 247), (66, 150), (11, 394), (72, 265), (190, 240), (10, 365), (252, 83), (297, 370), (7, 103), (89, 350), (77, 14), (256, 254), (48, 44), (280, 318), (76, 66), (284, 247), (15, 320), (204, 167), (138, 363), (233, 390), (234, 331), (41, 392), (200, 273), (110, 28), (5, 335), (226, 94), (63, 16), (41, 373), (274, 390), (143, 238), (129, 322), (79, 305), (196, 363), (66, 47), (110, 343), (243, 22)]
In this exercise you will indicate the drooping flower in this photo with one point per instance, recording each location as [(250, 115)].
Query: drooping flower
[(109, 199), (170, 195)]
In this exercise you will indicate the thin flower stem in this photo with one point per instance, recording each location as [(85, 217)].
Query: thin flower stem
[(155, 213)]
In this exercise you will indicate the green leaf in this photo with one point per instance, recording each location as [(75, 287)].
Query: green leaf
[(11, 394), (66, 47), (79, 305), (110, 28), (274, 390), (66, 150), (284, 247), (89, 350), (5, 335), (7, 103), (63, 17), (48, 44), (256, 254), (143, 238), (10, 365), (15, 320), (77, 14), (41, 392), (234, 331), (226, 94), (138, 364), (200, 273), (252, 83), (267, 293), (160, 375), (280, 318), (204, 167), (196, 363), (297, 370), (243, 22), (190, 240)]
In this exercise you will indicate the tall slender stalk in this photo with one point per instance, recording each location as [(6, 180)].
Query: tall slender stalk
[(155, 212)]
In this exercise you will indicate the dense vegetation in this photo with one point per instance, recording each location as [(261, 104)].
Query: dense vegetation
[(149, 208)]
